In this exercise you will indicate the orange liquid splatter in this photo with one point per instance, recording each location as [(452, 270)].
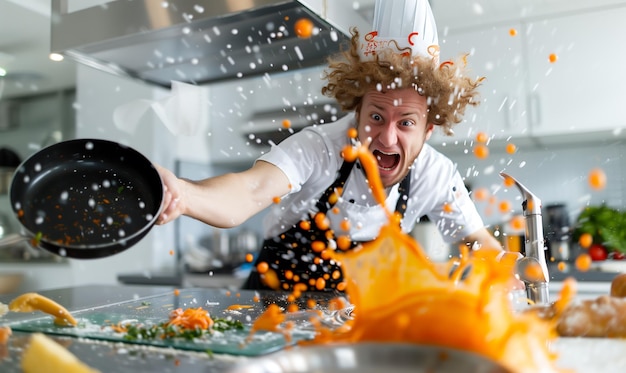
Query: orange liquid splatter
[(249, 258), (353, 133), (482, 137), (562, 266), (304, 28), (583, 262), (176, 292), (481, 151), (585, 240), (392, 283), (508, 181), (504, 206), (171, 252), (518, 223), (276, 200), (286, 123), (481, 194), (597, 179), (511, 148), (262, 267), (512, 32), (553, 57), (447, 208)]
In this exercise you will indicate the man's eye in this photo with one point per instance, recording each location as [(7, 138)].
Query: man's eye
[(376, 117), (407, 123)]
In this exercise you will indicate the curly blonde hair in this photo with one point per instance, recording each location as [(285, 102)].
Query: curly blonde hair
[(448, 88)]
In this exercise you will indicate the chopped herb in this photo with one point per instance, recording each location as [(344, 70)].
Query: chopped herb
[(120, 189), (145, 303), (166, 331)]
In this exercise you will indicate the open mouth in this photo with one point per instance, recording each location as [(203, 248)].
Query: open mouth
[(386, 161)]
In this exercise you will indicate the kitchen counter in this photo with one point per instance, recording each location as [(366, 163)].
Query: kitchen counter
[(124, 357), (580, 354)]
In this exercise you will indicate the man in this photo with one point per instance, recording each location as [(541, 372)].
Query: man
[(397, 93)]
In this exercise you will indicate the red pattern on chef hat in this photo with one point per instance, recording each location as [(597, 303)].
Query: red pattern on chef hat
[(402, 26)]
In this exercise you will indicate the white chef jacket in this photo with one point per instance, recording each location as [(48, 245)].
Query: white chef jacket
[(311, 159)]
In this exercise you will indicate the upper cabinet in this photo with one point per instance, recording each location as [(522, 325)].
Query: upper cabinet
[(497, 56), (573, 96), (583, 90)]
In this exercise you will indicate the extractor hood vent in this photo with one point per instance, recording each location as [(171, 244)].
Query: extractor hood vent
[(201, 41)]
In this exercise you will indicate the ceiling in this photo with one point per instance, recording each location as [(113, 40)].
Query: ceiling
[(24, 49)]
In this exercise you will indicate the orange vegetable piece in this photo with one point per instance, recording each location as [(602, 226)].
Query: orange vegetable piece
[(191, 318), (29, 302)]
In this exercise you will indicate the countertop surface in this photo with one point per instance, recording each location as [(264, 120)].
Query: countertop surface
[(582, 355)]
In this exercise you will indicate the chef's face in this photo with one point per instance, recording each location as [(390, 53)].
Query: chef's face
[(394, 124)]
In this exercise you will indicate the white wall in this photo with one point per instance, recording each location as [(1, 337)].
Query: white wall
[(557, 174)]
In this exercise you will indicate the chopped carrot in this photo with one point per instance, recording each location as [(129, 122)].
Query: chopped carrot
[(191, 318)]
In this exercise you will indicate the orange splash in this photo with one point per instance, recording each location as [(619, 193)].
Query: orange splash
[(553, 57), (585, 240), (597, 179), (401, 296), (304, 28), (583, 262), (512, 32), (481, 137), (511, 148), (481, 151), (286, 123)]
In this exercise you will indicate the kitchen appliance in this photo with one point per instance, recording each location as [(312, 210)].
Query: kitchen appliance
[(557, 230), (200, 41), (86, 198)]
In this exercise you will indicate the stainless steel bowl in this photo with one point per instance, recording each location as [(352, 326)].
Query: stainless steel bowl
[(371, 357)]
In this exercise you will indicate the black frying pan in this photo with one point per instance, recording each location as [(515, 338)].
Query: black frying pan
[(86, 198)]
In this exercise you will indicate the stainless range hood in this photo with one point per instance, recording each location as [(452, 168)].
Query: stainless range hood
[(200, 41)]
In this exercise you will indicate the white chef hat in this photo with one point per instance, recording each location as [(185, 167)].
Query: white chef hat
[(402, 26)]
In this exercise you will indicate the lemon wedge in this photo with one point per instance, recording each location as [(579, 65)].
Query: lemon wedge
[(43, 354)]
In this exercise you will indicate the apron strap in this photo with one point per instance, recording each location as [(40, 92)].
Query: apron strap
[(322, 204), (403, 199)]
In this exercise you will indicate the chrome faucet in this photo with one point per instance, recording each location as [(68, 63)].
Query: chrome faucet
[(534, 247)]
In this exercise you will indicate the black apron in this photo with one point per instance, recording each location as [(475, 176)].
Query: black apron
[(293, 259)]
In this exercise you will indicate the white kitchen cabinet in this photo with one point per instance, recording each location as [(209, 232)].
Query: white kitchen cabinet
[(583, 91), (497, 56)]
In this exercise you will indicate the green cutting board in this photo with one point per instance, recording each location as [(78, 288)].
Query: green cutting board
[(94, 323)]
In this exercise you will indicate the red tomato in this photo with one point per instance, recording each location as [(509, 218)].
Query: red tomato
[(598, 252)]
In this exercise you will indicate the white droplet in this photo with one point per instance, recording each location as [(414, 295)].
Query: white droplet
[(121, 233), (91, 203), (37, 167), (64, 195), (89, 145)]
